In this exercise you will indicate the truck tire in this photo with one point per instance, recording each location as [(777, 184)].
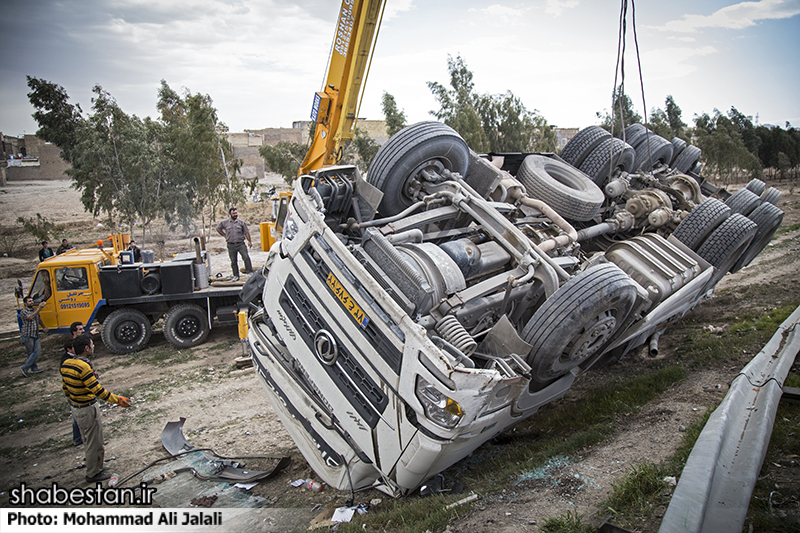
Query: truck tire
[(126, 331), (701, 221), (580, 146), (771, 195), (634, 134), (726, 245), (577, 321), (743, 201), (678, 145), (425, 145), (768, 218), (597, 166), (756, 186), (685, 161), (186, 325), (658, 153), (570, 192)]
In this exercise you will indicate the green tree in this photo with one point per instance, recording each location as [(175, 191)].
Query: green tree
[(746, 130), (622, 114), (457, 106), (199, 159), (361, 150), (659, 123), (724, 151), (59, 120), (284, 158), (395, 119), (489, 122), (676, 123)]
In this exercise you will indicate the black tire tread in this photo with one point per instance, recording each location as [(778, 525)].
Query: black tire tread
[(768, 219), (726, 244), (580, 146), (171, 321), (575, 204), (700, 222), (121, 315), (686, 160), (596, 165), (771, 195), (743, 201), (756, 186), (660, 152)]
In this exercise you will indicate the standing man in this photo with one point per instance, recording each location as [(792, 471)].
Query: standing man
[(29, 334), (45, 252), (76, 329), (82, 389), (65, 245), (137, 253), (235, 232)]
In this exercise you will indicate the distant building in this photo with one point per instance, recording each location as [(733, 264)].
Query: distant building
[(245, 145), (30, 158), (563, 136)]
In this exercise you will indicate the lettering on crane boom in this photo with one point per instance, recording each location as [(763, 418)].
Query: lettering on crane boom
[(345, 28)]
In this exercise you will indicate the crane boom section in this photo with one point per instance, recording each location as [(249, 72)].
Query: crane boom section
[(335, 108)]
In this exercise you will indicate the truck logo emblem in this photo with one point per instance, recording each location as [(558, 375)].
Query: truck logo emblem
[(325, 347)]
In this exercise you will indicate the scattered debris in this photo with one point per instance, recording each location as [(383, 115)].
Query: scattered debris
[(204, 501), (243, 362), (471, 498), (670, 480)]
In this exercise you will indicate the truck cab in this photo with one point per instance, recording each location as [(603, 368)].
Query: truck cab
[(69, 286)]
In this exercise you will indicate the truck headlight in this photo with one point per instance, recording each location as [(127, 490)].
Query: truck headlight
[(440, 409), (290, 228)]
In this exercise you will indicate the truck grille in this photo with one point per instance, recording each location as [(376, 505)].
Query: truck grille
[(372, 333), (350, 377)]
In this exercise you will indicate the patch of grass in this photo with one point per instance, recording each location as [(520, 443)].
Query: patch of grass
[(749, 334), (566, 523), (409, 515), (642, 489), (44, 413), (787, 229)]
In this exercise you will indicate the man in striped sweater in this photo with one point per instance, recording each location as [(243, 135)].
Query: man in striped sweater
[(80, 384)]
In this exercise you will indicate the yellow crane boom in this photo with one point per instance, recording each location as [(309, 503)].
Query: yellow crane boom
[(335, 108)]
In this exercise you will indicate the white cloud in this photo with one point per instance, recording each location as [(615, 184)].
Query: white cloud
[(736, 17), (557, 7)]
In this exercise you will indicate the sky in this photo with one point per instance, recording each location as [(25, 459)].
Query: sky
[(261, 61)]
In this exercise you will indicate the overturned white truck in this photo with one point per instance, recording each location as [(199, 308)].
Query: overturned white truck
[(406, 319)]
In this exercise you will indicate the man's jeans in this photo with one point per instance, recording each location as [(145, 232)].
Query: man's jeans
[(235, 249), (33, 345)]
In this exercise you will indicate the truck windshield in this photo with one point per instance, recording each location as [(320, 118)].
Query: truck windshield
[(40, 290), (71, 279)]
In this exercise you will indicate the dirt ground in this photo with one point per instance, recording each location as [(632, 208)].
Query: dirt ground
[(226, 409)]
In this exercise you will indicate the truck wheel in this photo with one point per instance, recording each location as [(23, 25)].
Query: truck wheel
[(771, 195), (580, 146), (578, 320), (768, 218), (650, 155), (701, 221), (566, 189), (743, 201), (597, 165), (686, 160), (678, 145), (756, 186), (634, 134), (186, 325), (726, 244), (397, 167), (126, 331)]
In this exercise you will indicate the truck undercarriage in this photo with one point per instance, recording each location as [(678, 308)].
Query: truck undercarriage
[(406, 319)]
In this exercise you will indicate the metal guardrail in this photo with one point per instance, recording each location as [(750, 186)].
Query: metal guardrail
[(717, 482)]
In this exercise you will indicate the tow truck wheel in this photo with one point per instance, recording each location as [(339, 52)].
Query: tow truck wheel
[(126, 331), (401, 164), (577, 322), (186, 325)]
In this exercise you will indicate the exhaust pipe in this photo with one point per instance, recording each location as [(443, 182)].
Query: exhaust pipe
[(653, 351)]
